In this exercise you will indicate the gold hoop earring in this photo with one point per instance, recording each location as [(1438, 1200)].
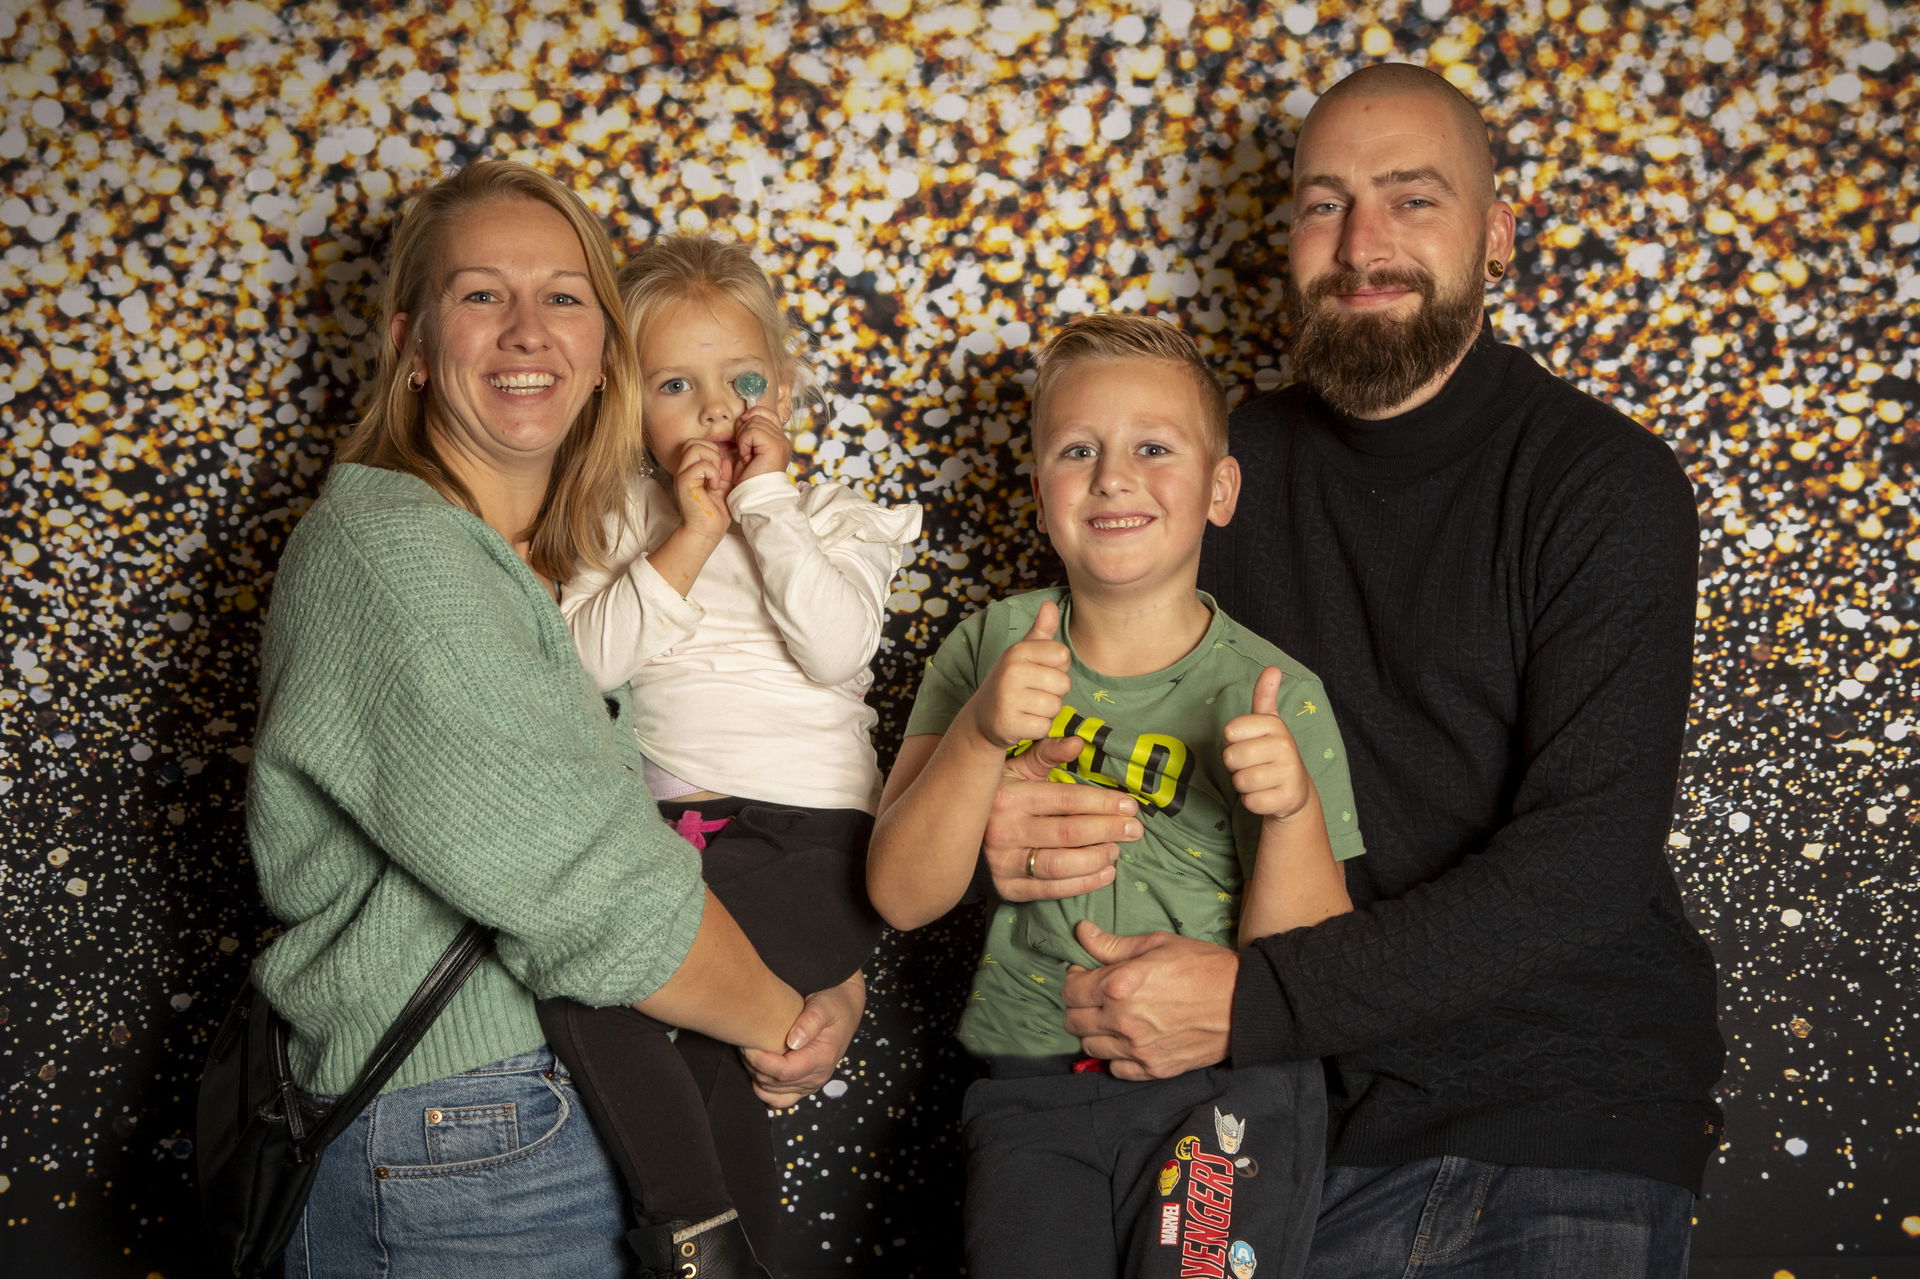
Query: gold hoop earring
[(1496, 268), (415, 382), (600, 382)]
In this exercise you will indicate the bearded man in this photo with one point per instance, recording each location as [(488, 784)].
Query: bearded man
[(1493, 574)]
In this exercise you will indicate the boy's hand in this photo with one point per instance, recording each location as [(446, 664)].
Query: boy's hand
[(1266, 766), (700, 488), (761, 443), (1028, 683)]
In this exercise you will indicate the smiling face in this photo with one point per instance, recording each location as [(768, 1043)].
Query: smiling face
[(510, 353), (1125, 478), (1394, 223), (692, 353)]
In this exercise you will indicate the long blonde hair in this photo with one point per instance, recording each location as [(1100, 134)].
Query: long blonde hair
[(588, 487)]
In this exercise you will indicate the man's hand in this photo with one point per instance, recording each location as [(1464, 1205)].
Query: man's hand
[(1161, 1004), (1261, 754), (815, 1045), (1054, 839)]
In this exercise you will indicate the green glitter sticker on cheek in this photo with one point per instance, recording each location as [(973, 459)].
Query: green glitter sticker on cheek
[(750, 387)]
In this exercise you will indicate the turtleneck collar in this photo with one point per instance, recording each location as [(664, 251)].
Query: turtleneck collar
[(1432, 434)]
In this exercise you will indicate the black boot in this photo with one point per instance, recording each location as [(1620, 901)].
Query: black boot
[(716, 1248)]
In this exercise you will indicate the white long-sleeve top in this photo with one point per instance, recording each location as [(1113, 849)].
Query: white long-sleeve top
[(754, 684)]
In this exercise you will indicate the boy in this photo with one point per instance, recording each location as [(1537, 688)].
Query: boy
[(1072, 1171)]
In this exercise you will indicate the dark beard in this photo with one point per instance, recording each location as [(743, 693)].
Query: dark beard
[(1363, 365)]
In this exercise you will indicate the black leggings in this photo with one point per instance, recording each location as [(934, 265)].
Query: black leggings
[(679, 1117)]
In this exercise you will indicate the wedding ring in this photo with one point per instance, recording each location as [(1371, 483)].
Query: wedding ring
[(1031, 872)]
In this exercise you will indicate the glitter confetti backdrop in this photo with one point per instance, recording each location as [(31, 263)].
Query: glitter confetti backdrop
[(1717, 235)]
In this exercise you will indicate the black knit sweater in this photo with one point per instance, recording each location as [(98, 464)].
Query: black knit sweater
[(1497, 589)]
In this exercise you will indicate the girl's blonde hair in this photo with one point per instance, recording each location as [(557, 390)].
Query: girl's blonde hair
[(601, 452), (672, 269)]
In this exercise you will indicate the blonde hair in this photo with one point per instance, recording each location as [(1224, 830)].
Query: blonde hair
[(1107, 335), (593, 466), (671, 269)]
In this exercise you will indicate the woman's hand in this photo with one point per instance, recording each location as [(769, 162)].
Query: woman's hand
[(761, 444), (700, 488), (815, 1045)]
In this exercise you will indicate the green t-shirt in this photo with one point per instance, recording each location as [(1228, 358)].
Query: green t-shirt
[(1158, 737)]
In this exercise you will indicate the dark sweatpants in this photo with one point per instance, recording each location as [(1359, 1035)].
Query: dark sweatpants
[(1092, 1175), (679, 1117)]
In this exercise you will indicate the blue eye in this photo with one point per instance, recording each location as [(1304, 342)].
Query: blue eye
[(480, 295), (1154, 450), (675, 386), (565, 299), (1079, 452)]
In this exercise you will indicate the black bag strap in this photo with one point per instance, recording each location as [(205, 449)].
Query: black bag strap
[(443, 981)]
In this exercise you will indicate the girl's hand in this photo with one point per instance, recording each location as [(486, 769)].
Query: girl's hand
[(1023, 694), (700, 488), (761, 441), (1267, 770)]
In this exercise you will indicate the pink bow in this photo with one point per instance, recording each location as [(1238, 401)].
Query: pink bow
[(690, 827)]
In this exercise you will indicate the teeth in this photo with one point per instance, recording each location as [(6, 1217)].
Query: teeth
[(1130, 521), (521, 382)]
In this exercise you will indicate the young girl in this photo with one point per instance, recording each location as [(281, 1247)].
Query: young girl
[(743, 609)]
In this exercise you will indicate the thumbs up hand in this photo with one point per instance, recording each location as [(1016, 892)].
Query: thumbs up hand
[(1261, 754), (1020, 698)]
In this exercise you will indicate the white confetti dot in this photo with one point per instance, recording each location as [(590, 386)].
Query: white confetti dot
[(1796, 1147), (1131, 29), (48, 114), (1647, 259), (1717, 49), (1851, 688), (1844, 88), (1790, 917), (1739, 822), (1876, 55), (834, 1088), (1298, 18), (77, 886)]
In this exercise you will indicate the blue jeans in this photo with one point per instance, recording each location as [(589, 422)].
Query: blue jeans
[(1455, 1218), (490, 1173)]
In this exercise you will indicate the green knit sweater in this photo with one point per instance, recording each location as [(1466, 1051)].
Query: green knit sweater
[(429, 749)]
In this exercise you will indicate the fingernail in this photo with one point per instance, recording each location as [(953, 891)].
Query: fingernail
[(1133, 830)]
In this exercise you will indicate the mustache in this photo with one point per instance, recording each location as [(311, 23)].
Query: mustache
[(1349, 281)]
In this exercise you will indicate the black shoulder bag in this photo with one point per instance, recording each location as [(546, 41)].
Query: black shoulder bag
[(259, 1142)]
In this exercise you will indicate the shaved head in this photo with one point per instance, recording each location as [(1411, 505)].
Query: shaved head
[(1403, 80), (1396, 230)]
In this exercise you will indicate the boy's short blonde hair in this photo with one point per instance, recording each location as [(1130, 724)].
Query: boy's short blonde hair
[(1108, 335), (671, 269)]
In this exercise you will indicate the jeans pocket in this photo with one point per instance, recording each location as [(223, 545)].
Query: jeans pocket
[(478, 1136), (460, 1134)]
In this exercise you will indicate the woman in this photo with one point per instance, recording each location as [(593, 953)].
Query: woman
[(430, 751)]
